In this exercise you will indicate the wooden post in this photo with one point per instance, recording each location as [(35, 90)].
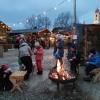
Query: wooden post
[(1, 51), (85, 41)]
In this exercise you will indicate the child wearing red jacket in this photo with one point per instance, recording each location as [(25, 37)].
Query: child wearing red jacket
[(39, 58)]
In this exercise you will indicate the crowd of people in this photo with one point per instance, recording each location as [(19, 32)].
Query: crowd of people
[(74, 57), (25, 56), (26, 51)]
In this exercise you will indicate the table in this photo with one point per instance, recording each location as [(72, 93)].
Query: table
[(17, 78)]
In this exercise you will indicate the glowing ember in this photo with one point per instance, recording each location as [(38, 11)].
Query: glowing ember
[(60, 73)]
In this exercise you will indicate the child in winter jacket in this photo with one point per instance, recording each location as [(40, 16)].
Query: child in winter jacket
[(39, 57)]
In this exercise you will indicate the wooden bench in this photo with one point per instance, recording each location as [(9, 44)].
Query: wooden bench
[(96, 73), (17, 78)]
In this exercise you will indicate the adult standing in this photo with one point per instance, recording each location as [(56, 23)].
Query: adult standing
[(25, 55), (59, 50), (72, 58)]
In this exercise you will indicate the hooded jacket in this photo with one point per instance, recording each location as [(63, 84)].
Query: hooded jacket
[(95, 59), (24, 50)]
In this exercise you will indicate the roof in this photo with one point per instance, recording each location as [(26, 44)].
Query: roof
[(44, 31), (97, 10), (4, 27), (23, 31), (0, 21), (88, 25), (60, 29)]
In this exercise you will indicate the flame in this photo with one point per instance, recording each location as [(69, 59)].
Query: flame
[(60, 73), (58, 66)]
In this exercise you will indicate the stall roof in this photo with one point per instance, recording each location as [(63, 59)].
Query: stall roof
[(23, 31), (4, 27), (88, 25), (44, 31), (60, 30)]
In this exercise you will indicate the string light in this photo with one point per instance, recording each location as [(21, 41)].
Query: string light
[(55, 8), (48, 10), (44, 13), (27, 20), (20, 23), (14, 24), (36, 18)]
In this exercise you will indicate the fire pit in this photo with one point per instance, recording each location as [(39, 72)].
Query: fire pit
[(60, 76)]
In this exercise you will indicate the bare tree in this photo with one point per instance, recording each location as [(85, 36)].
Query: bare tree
[(43, 22), (38, 22), (31, 22), (46, 22), (63, 20)]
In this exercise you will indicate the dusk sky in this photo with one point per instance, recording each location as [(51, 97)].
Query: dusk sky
[(15, 12)]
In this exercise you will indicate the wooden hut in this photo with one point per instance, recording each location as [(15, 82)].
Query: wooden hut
[(3, 30), (88, 37)]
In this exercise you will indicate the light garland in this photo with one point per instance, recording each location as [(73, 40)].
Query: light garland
[(44, 13)]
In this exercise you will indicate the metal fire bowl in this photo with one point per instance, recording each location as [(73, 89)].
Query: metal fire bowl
[(59, 80), (62, 81)]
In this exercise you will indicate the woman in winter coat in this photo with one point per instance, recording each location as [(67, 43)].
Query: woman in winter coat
[(25, 55)]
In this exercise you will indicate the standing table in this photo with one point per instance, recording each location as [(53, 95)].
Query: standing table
[(17, 78)]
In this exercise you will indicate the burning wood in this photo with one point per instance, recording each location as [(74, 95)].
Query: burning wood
[(59, 73)]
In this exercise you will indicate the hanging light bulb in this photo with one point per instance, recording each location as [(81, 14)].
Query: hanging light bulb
[(20, 23), (14, 24), (27, 20), (36, 18), (55, 8), (44, 13)]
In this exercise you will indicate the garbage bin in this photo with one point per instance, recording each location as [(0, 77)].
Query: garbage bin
[(1, 51)]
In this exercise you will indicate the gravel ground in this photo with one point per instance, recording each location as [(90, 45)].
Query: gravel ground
[(39, 87)]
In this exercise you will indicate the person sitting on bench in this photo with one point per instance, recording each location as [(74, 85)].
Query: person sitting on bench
[(93, 62)]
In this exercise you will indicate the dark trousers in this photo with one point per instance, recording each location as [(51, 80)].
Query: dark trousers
[(27, 61), (5, 83), (73, 67), (89, 68), (39, 65)]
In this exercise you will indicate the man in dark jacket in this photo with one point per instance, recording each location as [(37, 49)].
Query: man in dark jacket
[(72, 58)]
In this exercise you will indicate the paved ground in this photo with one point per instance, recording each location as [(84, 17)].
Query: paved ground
[(40, 87)]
